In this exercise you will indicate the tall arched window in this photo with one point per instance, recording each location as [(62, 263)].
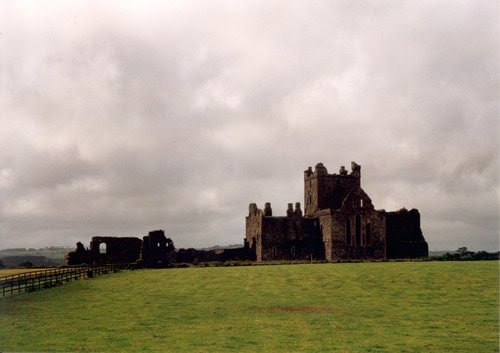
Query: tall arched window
[(368, 234), (102, 248), (358, 230), (348, 231)]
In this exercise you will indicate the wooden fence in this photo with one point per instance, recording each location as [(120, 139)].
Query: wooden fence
[(42, 279)]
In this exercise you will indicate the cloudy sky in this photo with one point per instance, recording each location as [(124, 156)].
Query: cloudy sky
[(121, 117)]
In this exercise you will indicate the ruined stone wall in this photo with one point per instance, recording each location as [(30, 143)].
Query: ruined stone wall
[(253, 224), (310, 193), (291, 238), (157, 250), (118, 250), (280, 238), (404, 235), (274, 233), (326, 229), (366, 239), (353, 233), (253, 232)]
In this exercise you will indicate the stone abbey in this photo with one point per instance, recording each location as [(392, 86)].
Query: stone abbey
[(339, 222)]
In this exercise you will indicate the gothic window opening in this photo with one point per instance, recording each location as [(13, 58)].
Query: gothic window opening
[(347, 231), (102, 248), (368, 234)]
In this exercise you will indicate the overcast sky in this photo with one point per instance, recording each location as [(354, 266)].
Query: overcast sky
[(120, 117)]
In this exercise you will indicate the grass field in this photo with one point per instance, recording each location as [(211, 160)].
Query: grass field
[(359, 307), (17, 271)]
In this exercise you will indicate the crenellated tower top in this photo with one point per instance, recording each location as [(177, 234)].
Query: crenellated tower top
[(323, 190)]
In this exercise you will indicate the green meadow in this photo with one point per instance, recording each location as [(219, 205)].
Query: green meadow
[(346, 307)]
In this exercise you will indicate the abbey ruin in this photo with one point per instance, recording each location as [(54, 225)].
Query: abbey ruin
[(154, 250), (339, 222)]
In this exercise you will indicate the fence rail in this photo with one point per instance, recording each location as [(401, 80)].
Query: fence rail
[(42, 279)]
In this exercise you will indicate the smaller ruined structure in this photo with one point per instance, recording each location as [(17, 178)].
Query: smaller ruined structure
[(113, 250), (155, 250)]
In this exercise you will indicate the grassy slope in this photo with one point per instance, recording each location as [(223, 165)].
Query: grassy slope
[(16, 271), (363, 307)]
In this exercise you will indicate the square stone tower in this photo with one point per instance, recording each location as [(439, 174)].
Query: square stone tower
[(328, 191)]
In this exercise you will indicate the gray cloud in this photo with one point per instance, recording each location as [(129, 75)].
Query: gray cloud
[(119, 118)]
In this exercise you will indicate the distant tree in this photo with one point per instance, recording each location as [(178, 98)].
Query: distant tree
[(2, 264), (449, 257), (483, 255), (463, 254)]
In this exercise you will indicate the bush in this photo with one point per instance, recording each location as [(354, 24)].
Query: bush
[(138, 264)]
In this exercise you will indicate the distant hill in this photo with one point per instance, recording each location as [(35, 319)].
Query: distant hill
[(440, 252), (43, 257)]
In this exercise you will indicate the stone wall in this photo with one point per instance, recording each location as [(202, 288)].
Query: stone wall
[(117, 250), (285, 238), (353, 234), (404, 235), (157, 250)]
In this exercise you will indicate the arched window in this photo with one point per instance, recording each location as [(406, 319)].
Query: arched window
[(102, 248), (348, 231), (368, 234), (358, 230)]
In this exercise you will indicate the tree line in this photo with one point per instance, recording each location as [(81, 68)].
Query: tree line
[(463, 254)]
